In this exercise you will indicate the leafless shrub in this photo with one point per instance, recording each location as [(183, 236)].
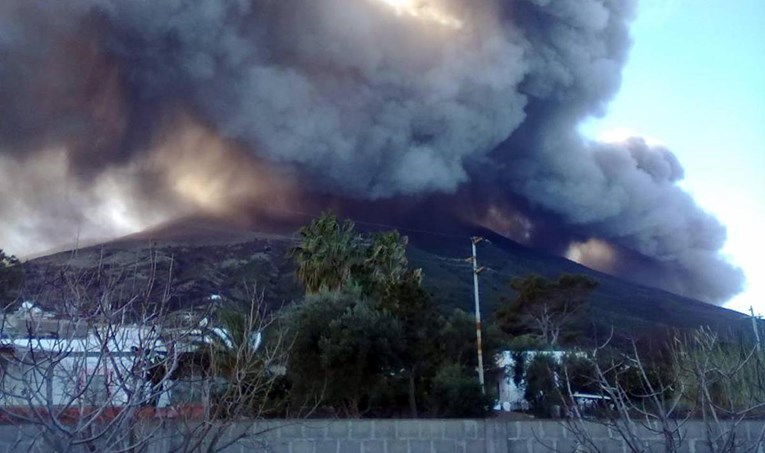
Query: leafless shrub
[(699, 378), (241, 379), (725, 385), (637, 398), (101, 369)]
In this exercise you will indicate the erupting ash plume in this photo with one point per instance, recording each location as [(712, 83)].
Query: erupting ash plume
[(118, 114)]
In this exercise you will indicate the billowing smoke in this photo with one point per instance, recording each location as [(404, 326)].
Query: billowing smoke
[(143, 110)]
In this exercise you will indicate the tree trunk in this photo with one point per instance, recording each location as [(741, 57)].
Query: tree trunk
[(412, 396)]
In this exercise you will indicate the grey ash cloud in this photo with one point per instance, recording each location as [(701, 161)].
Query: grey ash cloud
[(364, 103)]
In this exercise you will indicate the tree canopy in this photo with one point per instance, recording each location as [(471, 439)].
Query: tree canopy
[(549, 311), (11, 277), (367, 331), (327, 254)]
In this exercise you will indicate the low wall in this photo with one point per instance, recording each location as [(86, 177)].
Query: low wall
[(419, 436)]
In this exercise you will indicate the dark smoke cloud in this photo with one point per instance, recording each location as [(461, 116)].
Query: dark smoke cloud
[(355, 100)]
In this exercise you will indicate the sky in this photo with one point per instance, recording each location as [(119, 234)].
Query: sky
[(695, 82)]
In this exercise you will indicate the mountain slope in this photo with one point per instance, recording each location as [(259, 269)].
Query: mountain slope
[(616, 302), (206, 256)]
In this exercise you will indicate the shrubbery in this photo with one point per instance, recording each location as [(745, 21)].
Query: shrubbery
[(369, 339), (458, 394)]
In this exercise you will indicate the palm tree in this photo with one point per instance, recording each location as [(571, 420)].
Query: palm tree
[(386, 267), (327, 254)]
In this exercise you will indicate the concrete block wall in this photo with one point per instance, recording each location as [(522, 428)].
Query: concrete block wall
[(417, 436), (381, 436), (549, 435), (467, 436)]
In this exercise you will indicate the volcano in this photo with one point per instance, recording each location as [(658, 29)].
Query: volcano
[(207, 255)]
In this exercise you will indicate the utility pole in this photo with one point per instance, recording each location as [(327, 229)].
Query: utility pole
[(477, 270), (755, 327)]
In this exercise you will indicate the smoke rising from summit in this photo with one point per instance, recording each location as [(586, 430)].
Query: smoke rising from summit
[(166, 107)]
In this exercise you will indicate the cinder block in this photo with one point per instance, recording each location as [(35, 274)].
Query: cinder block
[(495, 433), (754, 431), (302, 446), (279, 447), (337, 429), (326, 446), (514, 446), (699, 446), (693, 430), (373, 446), (611, 445), (471, 429), (419, 446), (396, 446), (349, 446), (315, 430), (431, 429), (475, 445), (531, 430), (255, 444), (384, 429), (543, 444), (361, 429), (554, 429), (655, 446), (266, 429), (453, 429), (566, 445), (233, 448), (513, 430), (445, 446), (647, 435), (597, 430), (407, 429), (291, 431)]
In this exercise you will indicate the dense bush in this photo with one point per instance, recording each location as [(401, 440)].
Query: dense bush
[(458, 394), (344, 349), (368, 338), (542, 385)]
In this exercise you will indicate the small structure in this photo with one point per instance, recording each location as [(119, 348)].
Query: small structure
[(509, 376), (49, 362), (106, 366)]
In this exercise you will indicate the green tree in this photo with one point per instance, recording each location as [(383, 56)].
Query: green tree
[(421, 322), (386, 264), (458, 339), (343, 350), (458, 394), (11, 278), (331, 255), (368, 278), (327, 254), (549, 311), (542, 391)]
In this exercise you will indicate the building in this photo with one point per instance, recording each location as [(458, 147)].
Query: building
[(107, 365), (509, 376)]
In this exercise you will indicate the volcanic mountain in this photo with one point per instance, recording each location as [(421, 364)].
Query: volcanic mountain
[(204, 256)]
